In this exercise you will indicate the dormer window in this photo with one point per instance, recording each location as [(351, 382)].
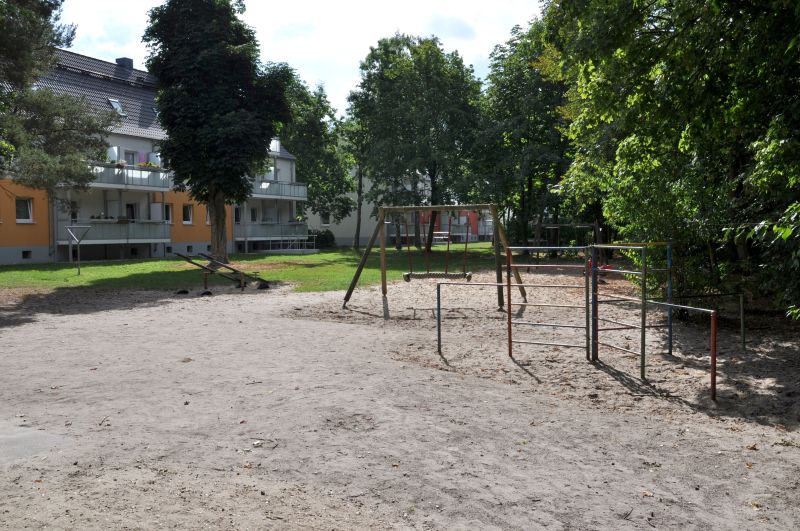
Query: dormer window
[(117, 106)]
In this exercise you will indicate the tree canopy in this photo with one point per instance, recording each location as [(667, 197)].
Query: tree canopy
[(687, 127), (46, 139), (314, 138), (218, 104), (418, 106)]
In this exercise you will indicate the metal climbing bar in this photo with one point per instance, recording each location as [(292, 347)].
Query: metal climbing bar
[(558, 325)]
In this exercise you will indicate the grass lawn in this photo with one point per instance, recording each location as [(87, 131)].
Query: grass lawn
[(328, 270)]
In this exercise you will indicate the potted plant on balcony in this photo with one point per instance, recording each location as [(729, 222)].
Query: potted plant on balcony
[(121, 163)]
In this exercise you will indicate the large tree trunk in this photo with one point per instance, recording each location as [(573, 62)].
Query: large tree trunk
[(359, 203), (434, 201), (217, 215)]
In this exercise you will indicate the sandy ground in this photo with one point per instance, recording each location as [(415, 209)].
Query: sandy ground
[(270, 409)]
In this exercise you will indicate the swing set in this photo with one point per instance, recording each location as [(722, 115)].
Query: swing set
[(442, 237), (499, 238)]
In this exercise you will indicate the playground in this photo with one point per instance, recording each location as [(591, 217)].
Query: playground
[(126, 408)]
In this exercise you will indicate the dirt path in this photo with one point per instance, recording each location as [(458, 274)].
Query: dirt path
[(265, 410)]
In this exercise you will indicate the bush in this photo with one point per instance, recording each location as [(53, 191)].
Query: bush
[(324, 238)]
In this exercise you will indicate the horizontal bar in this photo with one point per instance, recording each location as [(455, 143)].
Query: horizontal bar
[(618, 322), (623, 297), (565, 286), (616, 328), (618, 348), (548, 305), (550, 266), (623, 271), (547, 324), (547, 248), (513, 285), (621, 246), (434, 208), (682, 307), (617, 301), (548, 344)]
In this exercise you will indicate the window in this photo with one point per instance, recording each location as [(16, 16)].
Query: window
[(130, 158), (117, 106), (26, 255), (253, 215), (131, 210), (168, 212), (24, 211), (187, 214), (325, 219), (237, 215), (190, 248), (276, 174), (169, 248)]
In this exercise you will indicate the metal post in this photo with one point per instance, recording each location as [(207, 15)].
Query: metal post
[(383, 267), (508, 296), (586, 274), (595, 305), (669, 298), (714, 355), (644, 313), (497, 261), (205, 280), (741, 321), (439, 317), (79, 258)]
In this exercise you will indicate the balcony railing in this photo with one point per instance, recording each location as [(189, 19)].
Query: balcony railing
[(117, 231), (296, 191), (270, 231), (131, 176)]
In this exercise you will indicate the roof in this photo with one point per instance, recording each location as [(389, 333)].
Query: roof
[(97, 81)]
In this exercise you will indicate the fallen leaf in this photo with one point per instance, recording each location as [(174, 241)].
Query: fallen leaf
[(753, 446), (247, 465), (749, 465), (647, 494), (187, 359)]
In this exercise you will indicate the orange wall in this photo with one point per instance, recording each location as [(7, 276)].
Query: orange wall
[(13, 234), (198, 231)]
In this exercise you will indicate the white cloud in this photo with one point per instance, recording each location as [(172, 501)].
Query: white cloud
[(324, 41)]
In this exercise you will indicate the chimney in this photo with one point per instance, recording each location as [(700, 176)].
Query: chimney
[(125, 62)]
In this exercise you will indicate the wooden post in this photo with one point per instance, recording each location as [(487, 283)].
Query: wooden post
[(364, 257)]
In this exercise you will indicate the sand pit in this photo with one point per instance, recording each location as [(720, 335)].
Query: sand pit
[(274, 409)]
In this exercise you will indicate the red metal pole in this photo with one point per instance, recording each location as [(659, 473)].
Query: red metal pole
[(714, 355), (508, 298)]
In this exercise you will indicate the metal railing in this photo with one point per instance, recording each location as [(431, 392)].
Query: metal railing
[(116, 231), (134, 176), (297, 191), (253, 231)]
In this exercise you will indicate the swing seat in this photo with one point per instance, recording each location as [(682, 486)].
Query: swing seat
[(438, 274)]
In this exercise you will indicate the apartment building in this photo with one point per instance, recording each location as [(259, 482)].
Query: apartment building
[(131, 209)]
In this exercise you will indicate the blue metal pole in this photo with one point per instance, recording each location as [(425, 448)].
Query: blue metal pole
[(595, 326), (669, 298)]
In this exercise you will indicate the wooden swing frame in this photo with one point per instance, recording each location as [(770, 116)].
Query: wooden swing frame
[(500, 245)]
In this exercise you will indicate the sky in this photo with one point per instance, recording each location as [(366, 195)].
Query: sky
[(324, 41)]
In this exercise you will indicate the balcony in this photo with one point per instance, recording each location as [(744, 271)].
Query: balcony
[(116, 231), (280, 190), (270, 231), (131, 177)]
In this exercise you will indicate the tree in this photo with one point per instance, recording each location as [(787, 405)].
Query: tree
[(357, 148), (524, 150), (218, 105), (688, 125), (419, 108), (46, 139), (313, 137)]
